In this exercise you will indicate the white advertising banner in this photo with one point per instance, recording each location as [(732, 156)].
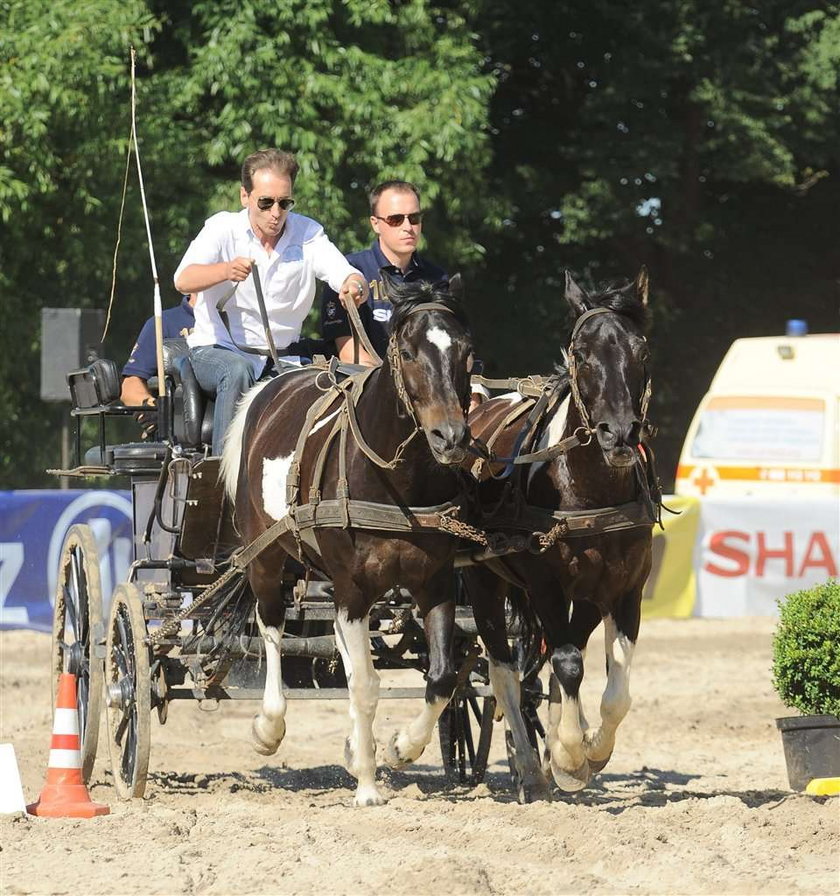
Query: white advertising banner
[(751, 551)]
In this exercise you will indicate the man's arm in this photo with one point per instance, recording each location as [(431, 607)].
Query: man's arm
[(345, 349), (198, 277), (135, 392)]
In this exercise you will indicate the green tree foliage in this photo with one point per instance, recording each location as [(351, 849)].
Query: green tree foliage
[(63, 127), (701, 139), (362, 90)]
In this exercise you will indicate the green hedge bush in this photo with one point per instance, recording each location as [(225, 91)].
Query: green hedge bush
[(806, 650)]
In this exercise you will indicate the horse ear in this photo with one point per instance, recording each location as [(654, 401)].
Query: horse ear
[(456, 287), (387, 283), (575, 296), (642, 281)]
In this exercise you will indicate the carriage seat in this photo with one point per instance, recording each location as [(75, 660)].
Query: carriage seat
[(192, 408)]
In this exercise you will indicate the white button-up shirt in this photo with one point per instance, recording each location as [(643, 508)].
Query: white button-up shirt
[(287, 276)]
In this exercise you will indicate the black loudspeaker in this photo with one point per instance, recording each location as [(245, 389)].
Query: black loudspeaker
[(70, 339)]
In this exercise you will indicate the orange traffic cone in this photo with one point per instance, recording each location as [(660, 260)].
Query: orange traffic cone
[(64, 794)]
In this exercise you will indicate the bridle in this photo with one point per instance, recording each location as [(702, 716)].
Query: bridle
[(571, 364), (582, 435), (395, 362)]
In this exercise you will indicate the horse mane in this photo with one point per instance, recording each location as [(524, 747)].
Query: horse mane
[(407, 296), (622, 299)]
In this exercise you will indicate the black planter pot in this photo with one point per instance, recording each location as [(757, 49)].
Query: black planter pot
[(812, 748)]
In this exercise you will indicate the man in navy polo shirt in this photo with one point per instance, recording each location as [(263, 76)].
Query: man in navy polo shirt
[(397, 221), (142, 362)]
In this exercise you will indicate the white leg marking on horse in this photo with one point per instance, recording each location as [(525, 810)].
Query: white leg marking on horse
[(407, 745), (353, 640), (615, 702), (440, 338), (275, 473), (504, 679), (269, 726), (565, 738)]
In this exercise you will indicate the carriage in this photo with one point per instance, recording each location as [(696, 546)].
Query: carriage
[(198, 611), (161, 638)]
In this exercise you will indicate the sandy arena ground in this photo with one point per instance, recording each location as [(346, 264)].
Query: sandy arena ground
[(695, 799)]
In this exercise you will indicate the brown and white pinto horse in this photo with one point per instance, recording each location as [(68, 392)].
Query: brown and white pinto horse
[(421, 389), (603, 398)]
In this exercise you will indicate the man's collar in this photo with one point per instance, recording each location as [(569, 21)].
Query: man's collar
[(383, 262)]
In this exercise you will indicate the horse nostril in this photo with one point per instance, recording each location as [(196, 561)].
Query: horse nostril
[(451, 435), (605, 435)]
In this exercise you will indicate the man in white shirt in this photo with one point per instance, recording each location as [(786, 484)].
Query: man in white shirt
[(287, 252)]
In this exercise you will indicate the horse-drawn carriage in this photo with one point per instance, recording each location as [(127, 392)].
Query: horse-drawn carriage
[(342, 526)]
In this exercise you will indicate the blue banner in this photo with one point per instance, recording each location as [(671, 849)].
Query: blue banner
[(33, 525)]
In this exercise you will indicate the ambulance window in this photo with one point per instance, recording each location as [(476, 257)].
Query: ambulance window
[(761, 428)]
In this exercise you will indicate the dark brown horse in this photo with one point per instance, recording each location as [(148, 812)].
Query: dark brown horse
[(600, 402), (376, 466)]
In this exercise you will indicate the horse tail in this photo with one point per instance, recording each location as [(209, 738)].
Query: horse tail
[(232, 451)]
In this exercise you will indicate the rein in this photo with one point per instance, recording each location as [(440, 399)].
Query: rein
[(344, 511), (538, 390)]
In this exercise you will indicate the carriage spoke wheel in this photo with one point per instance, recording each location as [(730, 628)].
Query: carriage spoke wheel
[(128, 692), (466, 730), (78, 635)]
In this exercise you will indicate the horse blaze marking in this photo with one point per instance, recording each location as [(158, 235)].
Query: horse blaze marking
[(440, 338)]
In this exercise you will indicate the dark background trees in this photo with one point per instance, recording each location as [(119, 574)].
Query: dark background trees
[(699, 139)]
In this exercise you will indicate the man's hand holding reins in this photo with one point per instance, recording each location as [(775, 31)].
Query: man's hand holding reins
[(354, 289)]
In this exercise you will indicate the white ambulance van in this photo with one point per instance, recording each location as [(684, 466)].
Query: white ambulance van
[(770, 423)]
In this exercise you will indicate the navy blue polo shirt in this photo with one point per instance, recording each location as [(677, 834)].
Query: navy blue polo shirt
[(177, 321), (376, 312)]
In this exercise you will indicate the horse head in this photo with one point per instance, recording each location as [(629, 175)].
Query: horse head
[(608, 365), (430, 355)]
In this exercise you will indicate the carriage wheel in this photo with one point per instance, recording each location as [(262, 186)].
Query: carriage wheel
[(466, 729), (128, 692), (78, 636)]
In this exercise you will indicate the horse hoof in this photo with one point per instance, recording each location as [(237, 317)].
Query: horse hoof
[(595, 765), (369, 796), (395, 757), (264, 737), (571, 781), (534, 791)]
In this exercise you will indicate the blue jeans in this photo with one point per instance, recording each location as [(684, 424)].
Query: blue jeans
[(224, 375)]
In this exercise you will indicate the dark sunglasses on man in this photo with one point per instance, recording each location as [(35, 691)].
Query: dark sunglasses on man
[(264, 203), (396, 220)]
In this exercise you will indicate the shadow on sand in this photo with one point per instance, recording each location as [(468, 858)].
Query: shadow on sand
[(614, 793)]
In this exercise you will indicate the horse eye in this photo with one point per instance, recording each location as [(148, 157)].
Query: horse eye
[(644, 355), (406, 355)]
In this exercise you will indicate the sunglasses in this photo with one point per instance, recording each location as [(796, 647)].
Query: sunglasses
[(264, 203), (396, 220)]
